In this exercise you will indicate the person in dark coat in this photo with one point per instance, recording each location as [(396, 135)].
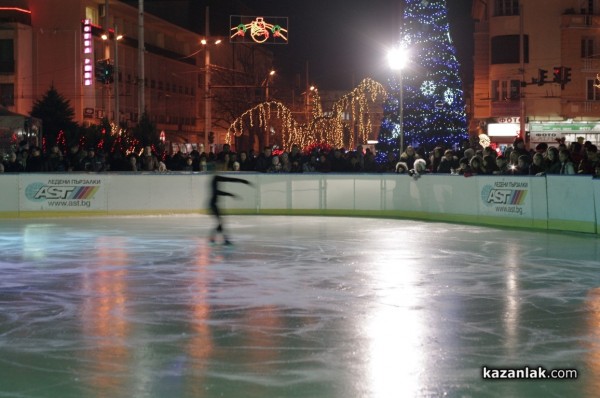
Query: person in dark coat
[(214, 203)]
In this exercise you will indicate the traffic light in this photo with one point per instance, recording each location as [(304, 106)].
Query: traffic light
[(104, 71), (566, 75), (558, 72), (542, 75)]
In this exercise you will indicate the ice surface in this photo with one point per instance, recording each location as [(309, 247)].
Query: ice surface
[(298, 307)]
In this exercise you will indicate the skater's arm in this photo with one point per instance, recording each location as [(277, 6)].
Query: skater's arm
[(223, 193), (232, 179)]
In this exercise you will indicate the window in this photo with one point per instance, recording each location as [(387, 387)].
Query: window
[(7, 94), (593, 92), (507, 49), (587, 47), (7, 56), (506, 8), (505, 90)]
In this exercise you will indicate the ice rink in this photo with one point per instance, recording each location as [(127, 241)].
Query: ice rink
[(298, 307)]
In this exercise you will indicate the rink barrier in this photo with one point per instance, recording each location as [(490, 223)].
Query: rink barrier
[(561, 203)]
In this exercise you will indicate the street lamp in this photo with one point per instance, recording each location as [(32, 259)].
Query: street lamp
[(207, 95), (266, 84), (397, 60)]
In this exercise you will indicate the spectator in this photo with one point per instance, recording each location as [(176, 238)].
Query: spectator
[(91, 162), (409, 156), (236, 166), (469, 153), (420, 169), (311, 165), (148, 162), (390, 165), (464, 168), (401, 168), (324, 165), (488, 164), (338, 163), (449, 163), (286, 166), (12, 165), (264, 161), (55, 161), (552, 161), (176, 161), (36, 163), (370, 166), (537, 167), (476, 166), (522, 167), (502, 166), (576, 153), (275, 165), (225, 151), (566, 166), (133, 164), (436, 158), (189, 164), (1, 167), (591, 160), (74, 158), (245, 162)]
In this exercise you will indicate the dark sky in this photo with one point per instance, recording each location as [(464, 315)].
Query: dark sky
[(342, 41)]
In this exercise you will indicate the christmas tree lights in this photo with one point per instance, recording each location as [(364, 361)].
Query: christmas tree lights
[(434, 108), (328, 128)]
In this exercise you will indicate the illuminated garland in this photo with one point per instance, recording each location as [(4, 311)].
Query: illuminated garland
[(320, 128)]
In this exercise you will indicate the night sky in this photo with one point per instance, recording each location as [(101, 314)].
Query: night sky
[(342, 41)]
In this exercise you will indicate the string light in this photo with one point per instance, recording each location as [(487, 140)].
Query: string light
[(321, 127)]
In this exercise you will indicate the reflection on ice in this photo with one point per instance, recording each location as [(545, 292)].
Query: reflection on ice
[(299, 307)]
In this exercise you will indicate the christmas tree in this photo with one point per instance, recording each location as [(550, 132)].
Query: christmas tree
[(433, 103)]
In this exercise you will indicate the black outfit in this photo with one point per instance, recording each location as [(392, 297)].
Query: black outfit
[(215, 193)]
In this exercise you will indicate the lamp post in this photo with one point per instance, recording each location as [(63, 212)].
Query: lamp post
[(116, 77), (266, 84), (397, 61), (207, 95)]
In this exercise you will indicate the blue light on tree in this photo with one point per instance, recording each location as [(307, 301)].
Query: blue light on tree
[(434, 107)]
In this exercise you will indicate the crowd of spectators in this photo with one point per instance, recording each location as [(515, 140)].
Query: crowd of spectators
[(577, 158)]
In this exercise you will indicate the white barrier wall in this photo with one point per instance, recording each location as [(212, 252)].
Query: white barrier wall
[(567, 203)]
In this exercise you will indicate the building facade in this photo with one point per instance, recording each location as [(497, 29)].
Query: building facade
[(59, 43), (536, 64)]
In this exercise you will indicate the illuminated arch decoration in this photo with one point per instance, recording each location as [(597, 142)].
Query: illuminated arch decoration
[(251, 29), (321, 127)]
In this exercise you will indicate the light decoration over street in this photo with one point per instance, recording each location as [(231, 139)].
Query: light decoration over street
[(321, 127), (260, 30)]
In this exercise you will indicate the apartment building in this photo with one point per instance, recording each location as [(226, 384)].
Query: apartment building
[(60, 43), (536, 65)]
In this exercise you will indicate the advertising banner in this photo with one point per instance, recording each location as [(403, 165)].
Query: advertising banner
[(505, 196), (62, 192)]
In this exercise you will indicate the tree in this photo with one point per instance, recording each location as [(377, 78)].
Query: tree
[(145, 133), (56, 114), (434, 107)]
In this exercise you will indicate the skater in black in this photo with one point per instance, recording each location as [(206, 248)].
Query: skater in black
[(214, 206)]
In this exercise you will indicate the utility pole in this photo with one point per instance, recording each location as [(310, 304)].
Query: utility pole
[(141, 69), (207, 99)]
